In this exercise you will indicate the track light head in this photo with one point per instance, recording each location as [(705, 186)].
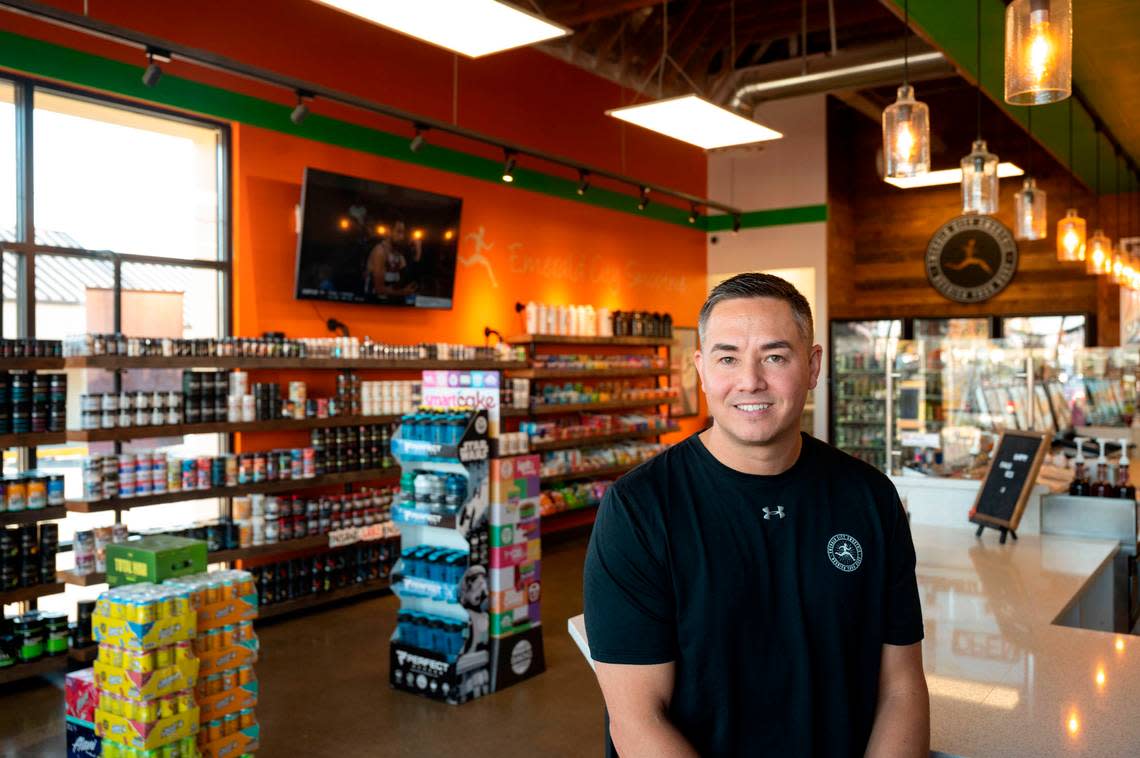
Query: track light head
[(418, 140), (153, 71), (692, 213), (643, 201), (736, 223), (301, 110), (509, 166), (583, 181)]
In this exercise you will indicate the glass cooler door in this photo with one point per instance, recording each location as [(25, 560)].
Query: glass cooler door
[(859, 363)]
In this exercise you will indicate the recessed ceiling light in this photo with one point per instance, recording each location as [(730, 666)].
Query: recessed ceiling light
[(948, 176), (470, 27), (696, 121)]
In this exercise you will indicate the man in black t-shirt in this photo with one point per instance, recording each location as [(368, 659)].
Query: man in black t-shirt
[(751, 591)]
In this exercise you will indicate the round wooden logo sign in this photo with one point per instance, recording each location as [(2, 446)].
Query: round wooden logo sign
[(971, 258)]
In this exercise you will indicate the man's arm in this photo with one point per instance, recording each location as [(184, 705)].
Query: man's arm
[(637, 698), (902, 716)]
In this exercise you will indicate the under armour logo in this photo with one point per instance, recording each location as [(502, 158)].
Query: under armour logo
[(769, 513)]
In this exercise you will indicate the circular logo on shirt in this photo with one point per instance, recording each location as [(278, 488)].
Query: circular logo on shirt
[(845, 552)]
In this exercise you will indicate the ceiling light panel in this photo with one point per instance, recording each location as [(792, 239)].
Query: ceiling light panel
[(696, 121), (469, 27), (948, 176)]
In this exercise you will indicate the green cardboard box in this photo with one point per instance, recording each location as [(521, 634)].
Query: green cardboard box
[(154, 559)]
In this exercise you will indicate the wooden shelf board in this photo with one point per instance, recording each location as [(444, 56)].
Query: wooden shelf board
[(594, 373), (609, 405), (269, 425), (49, 664), (277, 485), (566, 520), (116, 362), (31, 517), (32, 439), (542, 447), (600, 473), (551, 339), (21, 594)]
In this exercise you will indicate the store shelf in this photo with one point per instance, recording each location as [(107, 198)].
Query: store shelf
[(601, 439), (114, 362), (83, 654), (53, 664), (551, 339), (33, 364), (271, 425), (31, 439), (34, 516), (848, 422), (82, 580), (30, 593), (563, 521), (322, 598), (277, 548), (539, 374), (278, 485), (598, 473), (609, 405)]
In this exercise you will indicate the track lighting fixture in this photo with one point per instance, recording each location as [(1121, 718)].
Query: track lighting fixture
[(583, 181), (508, 166), (301, 110), (418, 140), (692, 213), (736, 223), (153, 71), (643, 201)]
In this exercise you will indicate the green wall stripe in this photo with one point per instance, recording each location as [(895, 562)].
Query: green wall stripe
[(951, 26), (804, 214), (50, 61)]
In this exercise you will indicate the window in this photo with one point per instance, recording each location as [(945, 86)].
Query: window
[(130, 235)]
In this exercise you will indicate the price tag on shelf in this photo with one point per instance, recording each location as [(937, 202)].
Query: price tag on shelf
[(354, 534)]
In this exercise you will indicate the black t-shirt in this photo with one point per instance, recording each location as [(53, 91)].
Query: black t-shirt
[(773, 595)]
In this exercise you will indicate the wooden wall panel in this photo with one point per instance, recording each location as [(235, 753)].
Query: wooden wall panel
[(878, 234)]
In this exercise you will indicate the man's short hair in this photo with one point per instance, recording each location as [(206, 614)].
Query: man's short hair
[(759, 285)]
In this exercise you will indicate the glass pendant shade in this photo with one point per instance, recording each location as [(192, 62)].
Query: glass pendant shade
[(1029, 212), (1123, 268), (1038, 51), (1098, 254), (906, 136), (1071, 232), (980, 180)]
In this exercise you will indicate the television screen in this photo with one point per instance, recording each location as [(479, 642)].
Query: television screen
[(368, 242)]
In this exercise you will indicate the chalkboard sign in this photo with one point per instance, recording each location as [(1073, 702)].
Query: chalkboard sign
[(1005, 490)]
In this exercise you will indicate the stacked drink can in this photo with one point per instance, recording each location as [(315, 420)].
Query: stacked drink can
[(226, 602), (146, 629), (129, 475), (27, 347), (122, 410), (27, 555), (31, 491), (32, 402)]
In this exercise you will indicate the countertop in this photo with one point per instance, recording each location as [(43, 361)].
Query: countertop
[(1004, 679)]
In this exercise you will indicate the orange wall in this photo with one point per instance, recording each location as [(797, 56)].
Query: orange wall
[(544, 248)]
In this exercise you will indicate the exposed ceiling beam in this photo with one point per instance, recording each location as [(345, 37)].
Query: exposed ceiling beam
[(603, 10)]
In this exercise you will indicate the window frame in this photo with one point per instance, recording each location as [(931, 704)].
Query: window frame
[(25, 248)]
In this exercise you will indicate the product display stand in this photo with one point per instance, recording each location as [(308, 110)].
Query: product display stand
[(440, 647)]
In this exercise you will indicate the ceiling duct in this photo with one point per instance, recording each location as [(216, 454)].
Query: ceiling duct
[(851, 69)]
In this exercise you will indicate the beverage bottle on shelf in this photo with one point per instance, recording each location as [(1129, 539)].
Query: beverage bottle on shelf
[(531, 318), (540, 319), (1124, 488), (1102, 487), (1080, 483)]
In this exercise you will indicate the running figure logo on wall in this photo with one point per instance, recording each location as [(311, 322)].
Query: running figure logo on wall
[(478, 257), (971, 258)]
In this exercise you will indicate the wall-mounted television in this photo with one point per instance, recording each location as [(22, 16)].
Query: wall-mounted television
[(363, 241)]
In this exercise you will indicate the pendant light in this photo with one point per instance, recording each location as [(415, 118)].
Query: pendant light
[(1098, 253), (1121, 261), (1071, 230), (906, 124), (1030, 221), (979, 168), (1038, 51)]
